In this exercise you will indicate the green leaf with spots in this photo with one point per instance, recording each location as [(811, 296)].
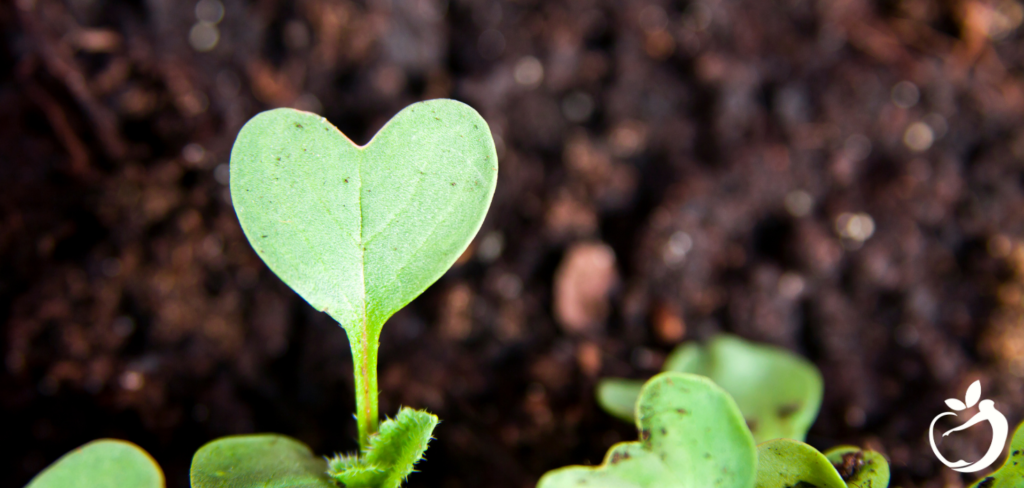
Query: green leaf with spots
[(360, 231), (393, 452), (692, 435), (860, 468), (262, 460), (104, 463), (778, 392), (786, 463), (1011, 474)]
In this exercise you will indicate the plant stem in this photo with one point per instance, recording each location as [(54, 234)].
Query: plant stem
[(364, 369)]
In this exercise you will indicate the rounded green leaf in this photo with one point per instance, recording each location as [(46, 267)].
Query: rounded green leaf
[(618, 397), (692, 435), (778, 392), (262, 460), (690, 357), (785, 463), (359, 231), (860, 468), (104, 463), (1011, 474)]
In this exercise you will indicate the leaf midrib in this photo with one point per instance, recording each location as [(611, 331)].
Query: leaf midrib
[(365, 351), (362, 245)]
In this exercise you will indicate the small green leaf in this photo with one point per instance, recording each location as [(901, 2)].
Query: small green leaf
[(692, 435), (1011, 474), (262, 460), (778, 392), (691, 357), (393, 452), (352, 471), (618, 397), (104, 463), (859, 468), (786, 463)]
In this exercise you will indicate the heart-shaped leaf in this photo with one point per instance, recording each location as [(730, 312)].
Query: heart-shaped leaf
[(785, 463), (778, 392), (973, 394), (104, 463), (360, 231), (1011, 474), (692, 435), (860, 468), (262, 460), (955, 404)]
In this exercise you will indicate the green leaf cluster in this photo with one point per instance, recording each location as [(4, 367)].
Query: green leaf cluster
[(693, 435), (779, 393), (358, 232), (249, 461), (785, 463)]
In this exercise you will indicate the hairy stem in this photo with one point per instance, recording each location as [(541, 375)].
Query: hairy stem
[(364, 366)]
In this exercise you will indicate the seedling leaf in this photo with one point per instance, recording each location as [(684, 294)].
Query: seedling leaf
[(360, 231), (353, 471), (859, 468), (785, 463), (955, 404), (1011, 474), (263, 460), (689, 357), (973, 394), (778, 392), (104, 463), (618, 397), (692, 435), (393, 452)]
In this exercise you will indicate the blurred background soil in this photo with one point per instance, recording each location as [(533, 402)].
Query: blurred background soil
[(842, 178)]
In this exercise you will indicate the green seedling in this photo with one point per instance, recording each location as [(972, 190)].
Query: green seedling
[(104, 463), (1011, 474), (786, 463), (778, 392), (360, 231), (783, 463), (692, 435)]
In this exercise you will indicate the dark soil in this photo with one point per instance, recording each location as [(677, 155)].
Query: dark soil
[(733, 155)]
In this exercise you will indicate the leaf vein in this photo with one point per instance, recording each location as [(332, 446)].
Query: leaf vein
[(409, 256), (397, 214)]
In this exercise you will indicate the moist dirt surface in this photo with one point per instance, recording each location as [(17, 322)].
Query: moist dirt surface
[(839, 178)]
